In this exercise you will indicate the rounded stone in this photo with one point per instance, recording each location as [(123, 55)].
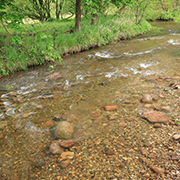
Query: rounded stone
[(146, 98), (64, 130)]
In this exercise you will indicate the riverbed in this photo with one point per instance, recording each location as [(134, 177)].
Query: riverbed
[(116, 74)]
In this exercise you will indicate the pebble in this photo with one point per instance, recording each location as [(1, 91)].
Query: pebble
[(66, 155), (3, 124), (157, 125), (157, 170), (176, 136), (67, 143), (65, 163), (55, 148), (146, 98), (111, 107), (110, 152)]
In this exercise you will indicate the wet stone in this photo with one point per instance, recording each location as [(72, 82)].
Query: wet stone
[(65, 163), (146, 98), (53, 76), (110, 151), (66, 155), (1, 135), (48, 123), (166, 108), (176, 136), (111, 107), (155, 116), (157, 125), (157, 170), (67, 143), (55, 148), (64, 130), (3, 124), (38, 162)]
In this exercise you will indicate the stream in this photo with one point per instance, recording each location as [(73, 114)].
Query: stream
[(115, 74)]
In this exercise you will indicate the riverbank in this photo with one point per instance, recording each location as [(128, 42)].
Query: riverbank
[(34, 44)]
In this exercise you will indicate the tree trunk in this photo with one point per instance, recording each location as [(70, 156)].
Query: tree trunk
[(120, 10), (78, 16), (94, 19)]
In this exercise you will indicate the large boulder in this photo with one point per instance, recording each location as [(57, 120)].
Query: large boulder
[(64, 130)]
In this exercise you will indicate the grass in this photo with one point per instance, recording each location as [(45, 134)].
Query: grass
[(31, 44)]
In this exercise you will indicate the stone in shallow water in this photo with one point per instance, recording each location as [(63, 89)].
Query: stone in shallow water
[(166, 108), (66, 155), (157, 170), (155, 116), (146, 98), (157, 125), (53, 76), (111, 107), (3, 124), (65, 163), (110, 151), (176, 136), (64, 130), (55, 148), (67, 143)]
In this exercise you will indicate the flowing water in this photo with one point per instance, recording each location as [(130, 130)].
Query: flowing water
[(116, 74)]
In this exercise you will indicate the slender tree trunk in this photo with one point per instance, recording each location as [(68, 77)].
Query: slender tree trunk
[(94, 19), (78, 16), (120, 10)]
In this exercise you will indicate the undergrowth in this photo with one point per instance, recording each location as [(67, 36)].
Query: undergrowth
[(34, 44)]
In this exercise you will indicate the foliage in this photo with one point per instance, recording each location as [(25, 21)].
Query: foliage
[(35, 46)]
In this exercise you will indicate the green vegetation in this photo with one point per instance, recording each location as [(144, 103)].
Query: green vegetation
[(33, 32)]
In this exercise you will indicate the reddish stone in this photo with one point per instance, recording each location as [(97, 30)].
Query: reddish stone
[(146, 98), (157, 125), (1, 136), (53, 76), (112, 117), (67, 143), (65, 163), (157, 170), (48, 123), (155, 116), (111, 107), (123, 124)]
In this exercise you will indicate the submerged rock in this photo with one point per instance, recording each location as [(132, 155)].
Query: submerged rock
[(64, 130), (146, 98), (157, 170), (155, 116), (53, 76), (111, 107), (65, 163), (66, 155), (67, 143), (55, 148)]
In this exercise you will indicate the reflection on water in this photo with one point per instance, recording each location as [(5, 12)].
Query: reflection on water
[(112, 74)]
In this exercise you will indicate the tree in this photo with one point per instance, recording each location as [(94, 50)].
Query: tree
[(121, 4), (94, 8), (3, 4), (140, 8), (78, 16)]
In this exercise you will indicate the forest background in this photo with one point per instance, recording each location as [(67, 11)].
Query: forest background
[(33, 32)]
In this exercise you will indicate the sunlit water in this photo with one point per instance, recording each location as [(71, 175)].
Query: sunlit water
[(90, 80)]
